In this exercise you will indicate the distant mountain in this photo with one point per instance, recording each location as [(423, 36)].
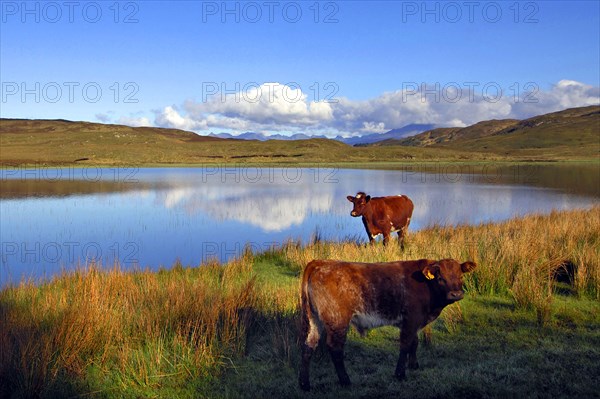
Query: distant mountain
[(221, 135), (264, 137), (402, 132), (394, 134)]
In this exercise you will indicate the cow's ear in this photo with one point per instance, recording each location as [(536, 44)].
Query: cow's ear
[(350, 198), (431, 270), (468, 266), (368, 198)]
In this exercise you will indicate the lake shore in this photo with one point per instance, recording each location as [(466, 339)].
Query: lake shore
[(359, 164), (231, 330)]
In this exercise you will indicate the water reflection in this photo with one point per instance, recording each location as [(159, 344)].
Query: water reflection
[(577, 177), (160, 215)]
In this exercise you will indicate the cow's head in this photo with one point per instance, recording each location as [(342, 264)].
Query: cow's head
[(447, 277), (360, 203)]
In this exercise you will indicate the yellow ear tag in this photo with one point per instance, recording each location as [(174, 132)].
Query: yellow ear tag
[(428, 274)]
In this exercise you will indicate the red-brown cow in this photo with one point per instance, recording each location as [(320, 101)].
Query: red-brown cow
[(406, 294), (383, 215)]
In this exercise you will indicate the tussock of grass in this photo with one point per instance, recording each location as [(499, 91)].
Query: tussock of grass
[(231, 330)]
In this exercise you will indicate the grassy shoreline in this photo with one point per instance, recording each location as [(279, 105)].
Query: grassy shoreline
[(382, 165), (231, 330)]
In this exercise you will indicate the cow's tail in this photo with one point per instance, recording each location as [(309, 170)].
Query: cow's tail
[(310, 323), (310, 331), (409, 211)]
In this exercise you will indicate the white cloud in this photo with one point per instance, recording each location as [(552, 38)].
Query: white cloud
[(275, 107), (134, 121), (564, 94), (170, 117), (271, 213), (174, 196), (376, 127), (241, 202), (258, 108)]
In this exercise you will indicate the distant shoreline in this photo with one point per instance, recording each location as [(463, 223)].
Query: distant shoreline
[(379, 165)]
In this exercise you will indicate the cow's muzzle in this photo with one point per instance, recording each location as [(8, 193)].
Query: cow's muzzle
[(455, 296), (353, 214)]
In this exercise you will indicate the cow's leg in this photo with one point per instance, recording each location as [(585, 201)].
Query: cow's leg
[(304, 378), (310, 335), (368, 230), (336, 338), (386, 237), (413, 363), (401, 234), (408, 344)]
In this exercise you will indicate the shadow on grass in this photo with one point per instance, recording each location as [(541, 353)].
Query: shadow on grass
[(511, 357), (29, 358)]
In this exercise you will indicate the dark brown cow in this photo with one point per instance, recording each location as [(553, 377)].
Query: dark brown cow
[(406, 294), (383, 215)]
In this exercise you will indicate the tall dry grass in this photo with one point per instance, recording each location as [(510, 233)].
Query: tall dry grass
[(518, 257), (177, 324)]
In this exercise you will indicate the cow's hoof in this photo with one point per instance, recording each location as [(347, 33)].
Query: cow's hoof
[(400, 377), (305, 386), (345, 382)]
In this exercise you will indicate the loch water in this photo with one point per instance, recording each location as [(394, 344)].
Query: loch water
[(55, 219)]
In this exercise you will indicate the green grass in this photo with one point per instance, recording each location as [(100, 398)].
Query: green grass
[(61, 143), (231, 330), (496, 350)]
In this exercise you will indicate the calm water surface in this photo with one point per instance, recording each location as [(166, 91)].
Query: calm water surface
[(53, 219)]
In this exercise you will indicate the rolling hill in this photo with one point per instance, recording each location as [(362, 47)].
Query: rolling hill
[(448, 134), (572, 132), (71, 128), (60, 142)]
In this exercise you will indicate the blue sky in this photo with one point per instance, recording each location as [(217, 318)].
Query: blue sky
[(329, 67)]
